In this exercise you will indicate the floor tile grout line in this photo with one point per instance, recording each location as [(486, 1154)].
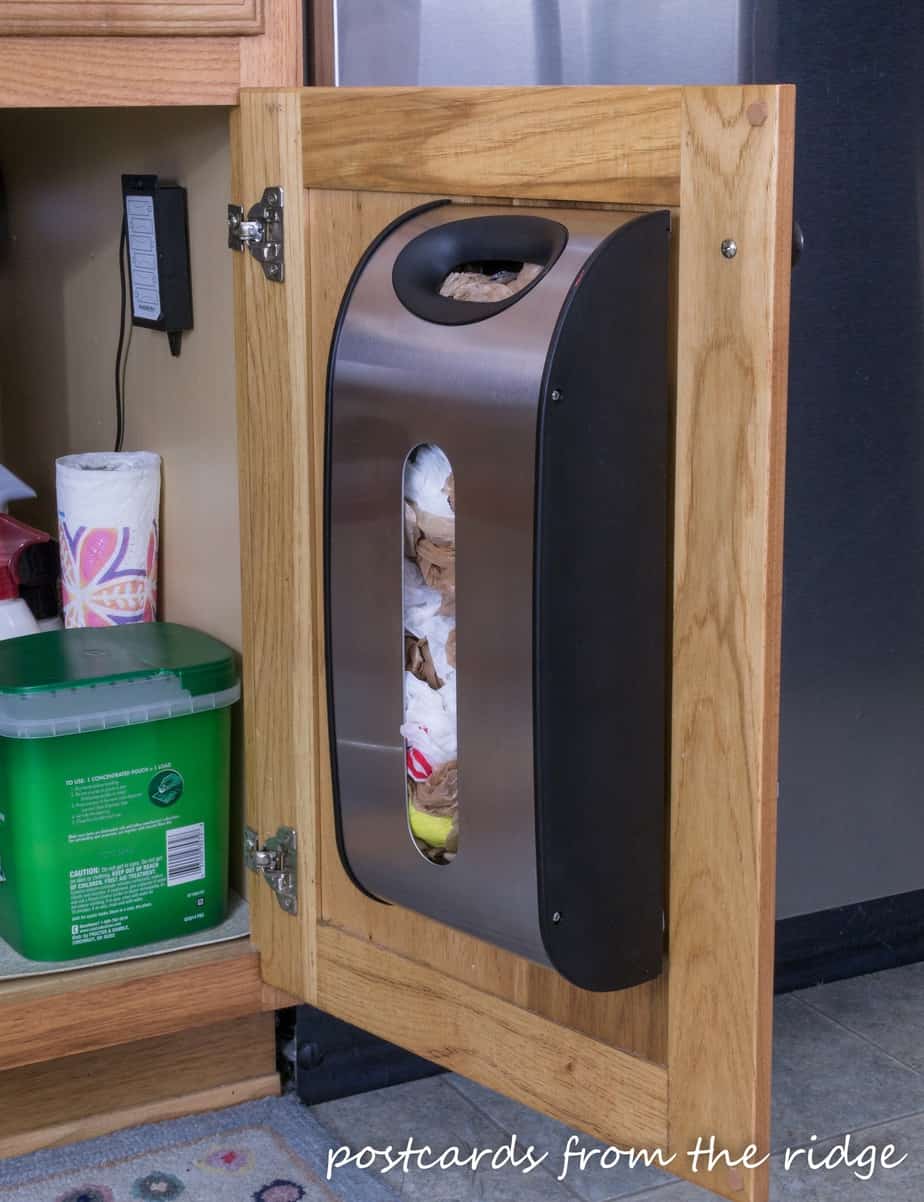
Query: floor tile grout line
[(824, 1139), (579, 1197), (899, 1118), (868, 1127), (654, 1189), (500, 1127), (859, 1035), (775, 1153), (648, 1192)]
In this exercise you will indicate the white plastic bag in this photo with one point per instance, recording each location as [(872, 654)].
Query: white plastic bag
[(439, 630), (427, 481), (429, 727), (423, 619), (421, 603)]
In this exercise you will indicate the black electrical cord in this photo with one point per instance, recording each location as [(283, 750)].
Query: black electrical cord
[(119, 363)]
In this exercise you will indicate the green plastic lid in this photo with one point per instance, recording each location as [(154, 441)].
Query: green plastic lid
[(69, 681), (69, 659)]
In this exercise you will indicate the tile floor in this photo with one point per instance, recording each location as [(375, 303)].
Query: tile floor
[(849, 1059)]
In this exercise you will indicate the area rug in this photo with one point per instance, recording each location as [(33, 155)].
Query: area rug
[(266, 1151)]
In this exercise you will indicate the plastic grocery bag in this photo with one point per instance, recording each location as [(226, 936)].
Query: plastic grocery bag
[(441, 644), (429, 726), (474, 286), (471, 284), (419, 662), (428, 481), (421, 603), (438, 567), (425, 621)]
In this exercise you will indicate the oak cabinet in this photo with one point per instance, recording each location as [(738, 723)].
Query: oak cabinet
[(153, 18), (88, 54)]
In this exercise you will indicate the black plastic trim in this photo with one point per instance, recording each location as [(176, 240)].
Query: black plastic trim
[(425, 262), (328, 458), (849, 941), (600, 641)]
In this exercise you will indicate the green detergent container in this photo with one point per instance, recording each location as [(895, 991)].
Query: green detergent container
[(114, 787)]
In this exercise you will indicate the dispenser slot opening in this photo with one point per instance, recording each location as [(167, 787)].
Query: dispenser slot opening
[(430, 725)]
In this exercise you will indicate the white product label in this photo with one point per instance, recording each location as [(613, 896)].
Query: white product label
[(186, 854), (104, 897), (142, 254)]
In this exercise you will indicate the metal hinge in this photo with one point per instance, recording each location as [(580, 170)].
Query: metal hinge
[(261, 232), (275, 862)]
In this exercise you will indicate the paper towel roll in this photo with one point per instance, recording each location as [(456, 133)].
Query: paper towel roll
[(107, 523)]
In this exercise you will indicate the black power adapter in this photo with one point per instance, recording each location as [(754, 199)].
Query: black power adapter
[(157, 237)]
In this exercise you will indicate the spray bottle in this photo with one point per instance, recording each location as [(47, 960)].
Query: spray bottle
[(13, 489), (15, 616)]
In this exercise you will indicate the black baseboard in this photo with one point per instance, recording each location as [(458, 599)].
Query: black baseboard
[(813, 949), (336, 1060)]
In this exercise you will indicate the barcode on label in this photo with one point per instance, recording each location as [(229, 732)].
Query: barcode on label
[(186, 854)]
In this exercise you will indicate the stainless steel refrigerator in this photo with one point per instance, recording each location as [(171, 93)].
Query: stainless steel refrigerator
[(852, 755)]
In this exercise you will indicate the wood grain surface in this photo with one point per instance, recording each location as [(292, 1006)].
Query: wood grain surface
[(278, 555), (736, 183), (64, 1014), (151, 62), (275, 58), (589, 143), (585, 1083), (111, 72), (149, 18), (144, 1081), (323, 67)]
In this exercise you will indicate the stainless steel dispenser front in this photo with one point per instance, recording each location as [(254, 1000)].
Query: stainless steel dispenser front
[(552, 409)]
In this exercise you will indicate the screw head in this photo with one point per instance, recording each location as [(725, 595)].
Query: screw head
[(272, 269), (556, 394), (729, 248), (556, 917)]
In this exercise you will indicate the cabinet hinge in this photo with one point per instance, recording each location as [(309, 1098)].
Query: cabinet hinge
[(261, 232), (275, 861)]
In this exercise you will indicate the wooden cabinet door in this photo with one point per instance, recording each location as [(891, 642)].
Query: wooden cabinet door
[(150, 18), (686, 1057)]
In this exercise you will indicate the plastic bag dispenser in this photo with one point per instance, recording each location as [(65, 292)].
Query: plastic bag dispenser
[(549, 402)]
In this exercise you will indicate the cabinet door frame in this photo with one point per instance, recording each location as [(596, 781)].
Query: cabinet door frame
[(689, 1057), (147, 18)]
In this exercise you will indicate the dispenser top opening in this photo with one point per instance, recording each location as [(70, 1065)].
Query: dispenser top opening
[(423, 266)]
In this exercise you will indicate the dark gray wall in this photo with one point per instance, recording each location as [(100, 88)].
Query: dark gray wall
[(852, 753)]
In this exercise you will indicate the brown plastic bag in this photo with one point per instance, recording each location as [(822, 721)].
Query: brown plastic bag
[(438, 567), (438, 794), (439, 530), (419, 662)]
